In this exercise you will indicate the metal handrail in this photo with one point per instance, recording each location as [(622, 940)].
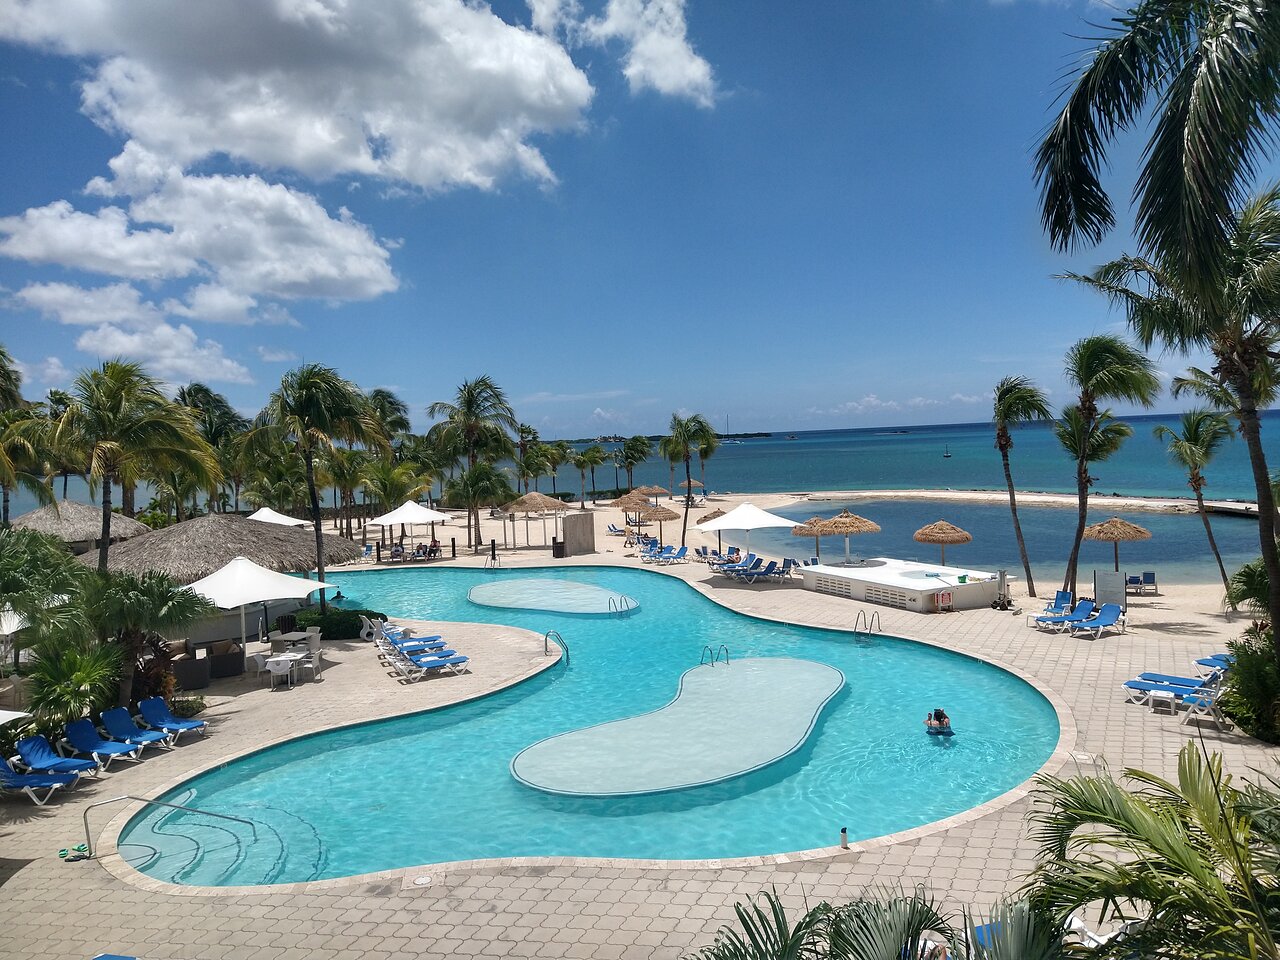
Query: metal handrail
[(726, 654), (88, 839), (860, 622), (874, 625), (564, 647), (492, 563), (702, 661)]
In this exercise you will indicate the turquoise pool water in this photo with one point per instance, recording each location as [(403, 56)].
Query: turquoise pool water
[(436, 786)]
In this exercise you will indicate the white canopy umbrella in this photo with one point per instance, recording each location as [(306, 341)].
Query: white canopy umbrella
[(267, 515), (746, 517), (9, 716), (410, 512), (242, 582)]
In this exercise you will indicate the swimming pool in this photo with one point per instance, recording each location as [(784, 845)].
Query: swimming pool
[(436, 786)]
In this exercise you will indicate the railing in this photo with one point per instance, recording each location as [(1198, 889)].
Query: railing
[(560, 641), (88, 839), (861, 623), (725, 650), (492, 562), (621, 604), (714, 655)]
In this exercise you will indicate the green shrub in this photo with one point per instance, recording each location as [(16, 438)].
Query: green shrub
[(187, 707), (337, 624), (1252, 692)]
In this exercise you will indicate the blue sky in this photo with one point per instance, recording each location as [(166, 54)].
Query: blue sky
[(803, 215)]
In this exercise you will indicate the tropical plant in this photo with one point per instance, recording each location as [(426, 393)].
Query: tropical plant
[(1193, 858), (277, 480), (688, 435), (119, 426), (40, 582), (635, 451), (22, 456), (313, 408), (1251, 688), (555, 455), (706, 449), (478, 418), (482, 485), (10, 381), (1017, 401), (389, 484), (526, 440), (582, 463), (594, 456), (1198, 437), (389, 411), (71, 677), (54, 406), (220, 425), (1101, 367)]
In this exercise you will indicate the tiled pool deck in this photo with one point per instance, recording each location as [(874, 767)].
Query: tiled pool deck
[(49, 908)]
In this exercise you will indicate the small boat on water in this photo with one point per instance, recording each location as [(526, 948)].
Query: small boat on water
[(792, 436), (946, 452)]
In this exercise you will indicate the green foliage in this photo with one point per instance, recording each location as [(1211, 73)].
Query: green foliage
[(187, 707), (70, 679), (336, 623), (1251, 694)]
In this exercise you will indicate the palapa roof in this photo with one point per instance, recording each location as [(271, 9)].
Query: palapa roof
[(715, 514), (845, 522), (71, 521), (1115, 530), (651, 491), (631, 502), (534, 502), (942, 532), (807, 529), (195, 548), (689, 483), (661, 514)]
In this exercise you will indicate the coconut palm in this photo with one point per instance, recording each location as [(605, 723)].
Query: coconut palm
[(54, 406), (1193, 858), (10, 382), (389, 484), (482, 485), (706, 449), (1017, 400), (72, 677), (40, 582), (526, 439), (530, 466), (688, 435), (312, 410), (479, 417), (1199, 435), (1087, 441), (1205, 75), (595, 456), (23, 456), (119, 426), (556, 455), (220, 424), (635, 451), (582, 463), (277, 481), (390, 411), (346, 469), (1101, 367)]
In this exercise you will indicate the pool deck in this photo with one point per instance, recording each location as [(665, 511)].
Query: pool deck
[(561, 908)]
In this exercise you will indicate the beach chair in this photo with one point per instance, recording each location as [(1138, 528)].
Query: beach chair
[(28, 783), (367, 552), (756, 575), (788, 564), (81, 736), (1147, 692), (367, 630), (156, 715), (1133, 583), (733, 569), (1083, 611), (37, 755), (120, 726), (736, 563), (1060, 606), (1149, 582), (1108, 617), (1204, 706), (680, 556)]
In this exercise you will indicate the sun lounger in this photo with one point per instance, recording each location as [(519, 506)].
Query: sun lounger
[(1060, 606), (788, 564), (1177, 681), (1149, 582), (1146, 692), (678, 557), (1108, 617), (413, 672), (37, 755), (1083, 611), (83, 737), (734, 570), (757, 575), (28, 783), (1205, 707), (120, 726), (414, 647), (422, 658), (155, 714)]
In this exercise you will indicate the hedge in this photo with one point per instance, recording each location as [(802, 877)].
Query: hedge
[(337, 624)]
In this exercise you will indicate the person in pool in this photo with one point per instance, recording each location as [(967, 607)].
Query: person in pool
[(937, 721)]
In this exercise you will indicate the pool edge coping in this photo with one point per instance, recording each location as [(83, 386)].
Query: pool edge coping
[(111, 861)]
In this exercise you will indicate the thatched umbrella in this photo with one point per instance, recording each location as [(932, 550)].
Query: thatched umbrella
[(942, 533), (689, 483), (535, 502), (194, 549), (661, 514), (1115, 530), (846, 523), (810, 528), (74, 522), (714, 515), (652, 490), (633, 502)]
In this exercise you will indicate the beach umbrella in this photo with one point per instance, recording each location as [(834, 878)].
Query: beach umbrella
[(810, 528), (633, 502), (714, 515), (1115, 530), (74, 522), (652, 490), (746, 517), (688, 486), (660, 514), (942, 533), (196, 548), (410, 513), (535, 502), (267, 515), (846, 524)]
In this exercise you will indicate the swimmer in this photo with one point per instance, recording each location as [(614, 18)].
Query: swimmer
[(937, 721)]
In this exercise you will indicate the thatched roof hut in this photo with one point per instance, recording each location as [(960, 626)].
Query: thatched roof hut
[(942, 533), (73, 522), (196, 548), (1113, 531), (846, 524), (534, 502)]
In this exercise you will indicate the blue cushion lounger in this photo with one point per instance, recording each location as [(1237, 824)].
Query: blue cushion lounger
[(1204, 706), (751, 563), (1109, 617), (29, 783), (734, 560), (753, 575), (120, 726), (1180, 681), (157, 715), (680, 556), (411, 648), (83, 737), (1140, 691), (1060, 606), (1083, 611), (427, 658), (37, 755), (413, 672), (403, 642)]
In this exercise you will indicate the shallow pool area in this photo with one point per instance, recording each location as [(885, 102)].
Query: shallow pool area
[(437, 786)]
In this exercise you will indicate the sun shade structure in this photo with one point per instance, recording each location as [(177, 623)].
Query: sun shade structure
[(408, 513), (534, 502), (1115, 530), (267, 515), (74, 522), (689, 483), (242, 582), (652, 490), (846, 524), (942, 533), (660, 514), (196, 548), (746, 517), (11, 716)]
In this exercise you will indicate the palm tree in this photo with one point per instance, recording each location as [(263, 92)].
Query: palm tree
[(479, 486), (54, 406), (479, 418), (1101, 367), (10, 382), (390, 484), (72, 677), (390, 411), (1204, 76), (1234, 322), (595, 456), (635, 451), (688, 436), (526, 438), (1194, 857), (278, 482), (40, 581), (1192, 446), (1017, 400), (1086, 441), (530, 466), (556, 456), (119, 426), (220, 424), (346, 470), (582, 463), (706, 449), (23, 455), (313, 409)]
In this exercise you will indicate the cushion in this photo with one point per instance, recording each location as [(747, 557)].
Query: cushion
[(223, 646)]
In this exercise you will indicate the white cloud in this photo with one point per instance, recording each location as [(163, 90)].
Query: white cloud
[(275, 355), (173, 353), (51, 371), (604, 416), (969, 397), (918, 402), (116, 303), (659, 56), (867, 404)]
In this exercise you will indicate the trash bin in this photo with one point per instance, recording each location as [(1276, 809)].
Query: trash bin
[(557, 549)]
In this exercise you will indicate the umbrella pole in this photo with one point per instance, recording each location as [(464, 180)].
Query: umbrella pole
[(244, 644), (817, 551), (944, 553), (1117, 546), (846, 550)]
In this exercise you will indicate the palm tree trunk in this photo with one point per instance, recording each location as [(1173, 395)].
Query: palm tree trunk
[(1017, 525), (688, 500), (128, 667), (594, 488), (1082, 496), (4, 509), (582, 504), (127, 494), (1251, 428), (66, 477), (1213, 544), (671, 483), (106, 523), (309, 461), (631, 483)]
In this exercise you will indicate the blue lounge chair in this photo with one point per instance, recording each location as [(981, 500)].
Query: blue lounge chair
[(736, 569), (1219, 661), (403, 642), (415, 648), (1176, 681), (1141, 691), (83, 737), (756, 575), (13, 782), (739, 564), (1083, 611), (1108, 617), (120, 726), (733, 559), (1203, 706), (1060, 606), (430, 657), (680, 556), (156, 714), (413, 672), (1149, 581), (38, 756)]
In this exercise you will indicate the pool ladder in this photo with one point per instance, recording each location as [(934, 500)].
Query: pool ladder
[(560, 641), (492, 562), (862, 624), (88, 838), (621, 605), (714, 655)]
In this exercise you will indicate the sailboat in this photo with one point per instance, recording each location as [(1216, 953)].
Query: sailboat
[(727, 438), (946, 451)]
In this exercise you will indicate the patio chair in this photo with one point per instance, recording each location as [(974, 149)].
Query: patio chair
[(37, 755), (1149, 582), (28, 783), (280, 668), (1109, 617), (1204, 706), (81, 736), (1133, 583), (1060, 606), (1083, 611), (258, 663), (755, 575), (120, 726), (788, 564), (156, 715), (680, 556)]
